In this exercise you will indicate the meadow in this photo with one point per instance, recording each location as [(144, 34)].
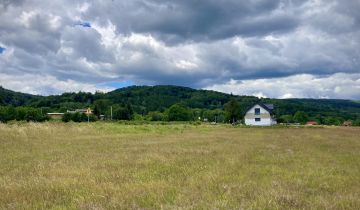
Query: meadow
[(177, 166)]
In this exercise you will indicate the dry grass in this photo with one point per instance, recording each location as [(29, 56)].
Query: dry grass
[(116, 166)]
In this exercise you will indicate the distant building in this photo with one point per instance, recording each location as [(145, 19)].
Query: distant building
[(312, 123), (85, 111), (347, 123), (260, 115), (55, 115)]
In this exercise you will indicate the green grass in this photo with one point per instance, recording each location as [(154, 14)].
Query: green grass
[(177, 166)]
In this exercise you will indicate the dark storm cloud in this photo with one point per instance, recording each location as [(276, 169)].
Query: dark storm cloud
[(198, 20), (6, 3), (32, 32), (86, 43)]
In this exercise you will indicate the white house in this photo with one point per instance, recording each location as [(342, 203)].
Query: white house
[(260, 115)]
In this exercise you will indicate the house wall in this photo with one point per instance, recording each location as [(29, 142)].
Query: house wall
[(263, 122), (55, 116), (265, 116)]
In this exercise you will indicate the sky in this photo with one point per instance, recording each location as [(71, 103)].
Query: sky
[(277, 48)]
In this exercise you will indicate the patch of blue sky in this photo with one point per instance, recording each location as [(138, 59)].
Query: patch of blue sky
[(2, 49), (116, 84), (83, 24)]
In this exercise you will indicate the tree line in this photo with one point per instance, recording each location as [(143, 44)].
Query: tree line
[(164, 102), (176, 112), (8, 113)]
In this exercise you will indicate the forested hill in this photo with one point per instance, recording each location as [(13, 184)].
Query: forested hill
[(144, 99), (9, 97)]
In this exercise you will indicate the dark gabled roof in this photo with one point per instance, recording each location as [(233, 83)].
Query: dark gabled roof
[(267, 107), (270, 106)]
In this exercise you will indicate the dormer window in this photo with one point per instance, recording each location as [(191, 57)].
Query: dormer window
[(257, 111)]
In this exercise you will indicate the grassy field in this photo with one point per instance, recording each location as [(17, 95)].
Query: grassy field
[(177, 166)]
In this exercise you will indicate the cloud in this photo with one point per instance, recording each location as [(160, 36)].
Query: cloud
[(183, 20), (179, 42), (346, 86), (36, 84)]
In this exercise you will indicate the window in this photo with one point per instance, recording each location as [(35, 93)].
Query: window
[(257, 119), (257, 111)]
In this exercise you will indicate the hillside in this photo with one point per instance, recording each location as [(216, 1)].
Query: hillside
[(9, 97), (144, 99), (161, 97)]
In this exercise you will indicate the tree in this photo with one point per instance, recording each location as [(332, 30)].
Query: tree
[(178, 112), (301, 117), (7, 113), (77, 117), (30, 114), (123, 112), (196, 114), (356, 122), (66, 117), (232, 110), (101, 106), (285, 119), (319, 119), (20, 113), (216, 115), (333, 121), (33, 115)]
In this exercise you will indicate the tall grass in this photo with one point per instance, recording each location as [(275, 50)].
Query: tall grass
[(177, 166)]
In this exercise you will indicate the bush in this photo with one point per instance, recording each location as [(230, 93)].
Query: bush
[(285, 119), (138, 117), (92, 118), (66, 117), (78, 117), (356, 122), (156, 116)]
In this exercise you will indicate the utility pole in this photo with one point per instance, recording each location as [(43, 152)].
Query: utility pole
[(111, 113), (88, 113)]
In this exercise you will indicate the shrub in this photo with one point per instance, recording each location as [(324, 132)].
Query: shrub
[(66, 117), (78, 117), (156, 116)]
